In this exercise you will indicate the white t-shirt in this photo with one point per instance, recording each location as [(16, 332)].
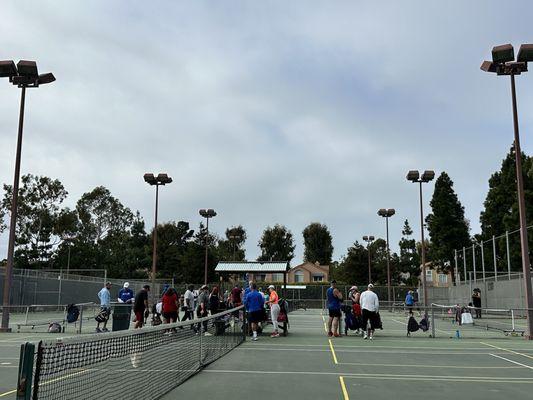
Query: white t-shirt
[(369, 301), (189, 299)]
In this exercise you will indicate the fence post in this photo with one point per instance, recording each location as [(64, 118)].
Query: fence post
[(456, 269), (80, 318), (474, 261), (25, 374), (508, 254), (432, 321), (464, 263), (483, 261), (494, 258)]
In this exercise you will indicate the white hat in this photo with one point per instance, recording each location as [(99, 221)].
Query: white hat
[(271, 287), (370, 286), (353, 288), (126, 284)]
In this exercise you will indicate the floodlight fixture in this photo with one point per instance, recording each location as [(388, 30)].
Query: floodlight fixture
[(413, 176), (46, 78), (525, 54), (503, 53), (7, 69), (427, 176), (150, 179)]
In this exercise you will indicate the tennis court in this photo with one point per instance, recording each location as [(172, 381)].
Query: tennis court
[(307, 364)]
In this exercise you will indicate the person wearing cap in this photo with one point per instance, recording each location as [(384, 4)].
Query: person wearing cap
[(203, 305), (334, 298), (126, 295), (370, 307), (273, 300), (354, 294)]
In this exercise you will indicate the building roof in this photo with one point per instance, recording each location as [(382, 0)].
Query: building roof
[(253, 266)]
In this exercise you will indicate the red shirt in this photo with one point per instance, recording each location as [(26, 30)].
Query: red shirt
[(236, 295), (169, 303)]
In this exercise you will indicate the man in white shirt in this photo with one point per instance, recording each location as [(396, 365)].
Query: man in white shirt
[(370, 306)]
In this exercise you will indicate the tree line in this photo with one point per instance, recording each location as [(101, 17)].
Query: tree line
[(102, 233)]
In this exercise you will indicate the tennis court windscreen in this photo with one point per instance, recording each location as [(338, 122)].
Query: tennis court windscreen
[(141, 364)]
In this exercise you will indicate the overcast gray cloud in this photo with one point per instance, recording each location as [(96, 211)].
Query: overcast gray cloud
[(269, 112)]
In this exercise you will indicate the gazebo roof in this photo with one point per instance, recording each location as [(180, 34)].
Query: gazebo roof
[(253, 266)]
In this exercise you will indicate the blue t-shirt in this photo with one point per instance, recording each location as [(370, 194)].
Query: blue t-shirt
[(126, 295), (409, 301), (254, 301), (333, 302)]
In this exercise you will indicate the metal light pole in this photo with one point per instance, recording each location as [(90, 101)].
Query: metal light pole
[(369, 240), (207, 213), (387, 213), (159, 180), (414, 176), (503, 63), (23, 75), (234, 239)]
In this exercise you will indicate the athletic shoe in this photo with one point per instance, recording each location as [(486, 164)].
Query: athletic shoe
[(371, 337), (365, 336), (255, 338), (330, 334), (98, 330), (105, 330), (275, 334), (336, 335), (207, 334)]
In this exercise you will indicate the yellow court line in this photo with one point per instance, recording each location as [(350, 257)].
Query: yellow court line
[(333, 352), (6, 393), (344, 391), (510, 351)]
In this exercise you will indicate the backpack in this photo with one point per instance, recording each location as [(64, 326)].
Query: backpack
[(102, 316), (73, 312), (412, 325), (424, 324), (54, 327)]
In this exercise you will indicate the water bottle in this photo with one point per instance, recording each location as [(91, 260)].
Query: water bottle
[(457, 334)]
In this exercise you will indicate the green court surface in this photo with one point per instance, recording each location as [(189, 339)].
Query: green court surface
[(307, 364)]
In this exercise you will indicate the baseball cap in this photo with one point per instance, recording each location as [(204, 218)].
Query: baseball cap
[(370, 286), (353, 288), (271, 287), (126, 284)]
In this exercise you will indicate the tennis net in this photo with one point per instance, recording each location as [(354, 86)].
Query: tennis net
[(144, 363), (508, 321)]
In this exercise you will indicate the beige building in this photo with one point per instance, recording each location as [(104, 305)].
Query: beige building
[(308, 273), (438, 279)]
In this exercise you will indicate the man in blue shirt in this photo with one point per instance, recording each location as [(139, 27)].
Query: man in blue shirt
[(105, 307), (126, 295), (334, 298), (409, 301), (255, 306)]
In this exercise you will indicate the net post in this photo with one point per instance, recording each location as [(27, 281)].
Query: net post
[(432, 321), (494, 258), (508, 254), (25, 373), (200, 346), (512, 319)]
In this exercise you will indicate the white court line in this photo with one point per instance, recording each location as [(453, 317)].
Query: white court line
[(507, 350), (381, 376), (511, 361), (429, 366), (248, 348), (340, 346)]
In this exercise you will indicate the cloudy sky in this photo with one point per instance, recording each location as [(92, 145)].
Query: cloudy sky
[(267, 111)]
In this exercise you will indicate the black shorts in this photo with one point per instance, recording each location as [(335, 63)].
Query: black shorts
[(172, 315), (371, 316), (256, 316), (333, 313)]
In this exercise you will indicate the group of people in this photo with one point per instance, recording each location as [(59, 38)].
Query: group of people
[(365, 305), (169, 304), (202, 301), (256, 303)]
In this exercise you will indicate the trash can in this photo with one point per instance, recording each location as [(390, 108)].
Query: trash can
[(121, 317)]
